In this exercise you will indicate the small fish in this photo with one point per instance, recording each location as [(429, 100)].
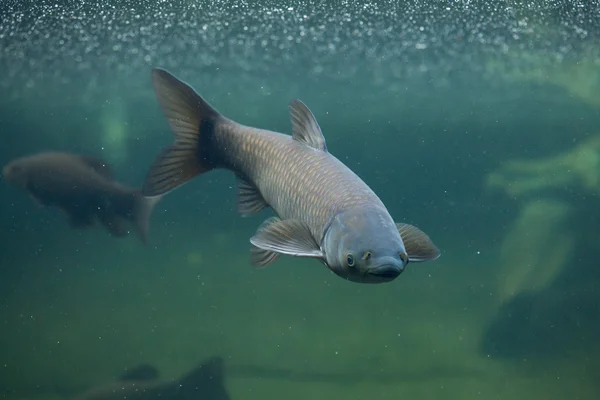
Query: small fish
[(324, 210), (84, 189), (205, 382)]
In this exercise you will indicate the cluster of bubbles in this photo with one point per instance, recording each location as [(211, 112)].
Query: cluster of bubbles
[(58, 41)]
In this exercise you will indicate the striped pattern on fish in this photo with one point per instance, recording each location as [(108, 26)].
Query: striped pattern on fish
[(296, 180), (324, 210)]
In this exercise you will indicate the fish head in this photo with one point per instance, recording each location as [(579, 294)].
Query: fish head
[(364, 245), (15, 173)]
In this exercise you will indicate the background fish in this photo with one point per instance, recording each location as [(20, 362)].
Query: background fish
[(205, 382), (84, 189), (324, 210)]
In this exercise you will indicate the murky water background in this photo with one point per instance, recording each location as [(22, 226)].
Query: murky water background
[(479, 122)]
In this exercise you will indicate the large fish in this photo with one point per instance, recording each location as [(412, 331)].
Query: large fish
[(84, 188), (324, 210), (205, 382)]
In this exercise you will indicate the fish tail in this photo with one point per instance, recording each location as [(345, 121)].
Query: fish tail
[(193, 123), (142, 210)]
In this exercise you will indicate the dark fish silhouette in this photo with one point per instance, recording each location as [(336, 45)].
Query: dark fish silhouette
[(205, 382), (324, 210), (84, 189)]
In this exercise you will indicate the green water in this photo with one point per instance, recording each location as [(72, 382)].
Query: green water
[(426, 102)]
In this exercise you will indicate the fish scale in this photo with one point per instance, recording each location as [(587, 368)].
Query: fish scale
[(293, 180), (324, 210)]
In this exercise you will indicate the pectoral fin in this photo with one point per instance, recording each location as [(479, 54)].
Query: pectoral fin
[(418, 245), (260, 258), (287, 237)]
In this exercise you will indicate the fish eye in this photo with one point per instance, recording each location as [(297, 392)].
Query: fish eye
[(350, 260), (403, 257), (366, 255)]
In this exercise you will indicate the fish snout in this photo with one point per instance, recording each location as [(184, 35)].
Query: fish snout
[(7, 173), (14, 174), (388, 268)]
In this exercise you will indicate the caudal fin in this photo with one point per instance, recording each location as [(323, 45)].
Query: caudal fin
[(192, 121), (142, 212)]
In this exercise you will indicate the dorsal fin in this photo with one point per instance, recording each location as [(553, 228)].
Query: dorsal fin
[(305, 128), (99, 165), (144, 372)]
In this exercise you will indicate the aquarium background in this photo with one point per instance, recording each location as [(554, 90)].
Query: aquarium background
[(477, 121)]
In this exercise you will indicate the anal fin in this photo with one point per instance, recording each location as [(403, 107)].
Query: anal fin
[(116, 225), (249, 201), (78, 218), (418, 245)]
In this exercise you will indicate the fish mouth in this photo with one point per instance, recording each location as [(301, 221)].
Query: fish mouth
[(387, 271)]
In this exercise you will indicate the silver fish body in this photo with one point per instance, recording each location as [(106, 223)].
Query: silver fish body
[(324, 210)]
